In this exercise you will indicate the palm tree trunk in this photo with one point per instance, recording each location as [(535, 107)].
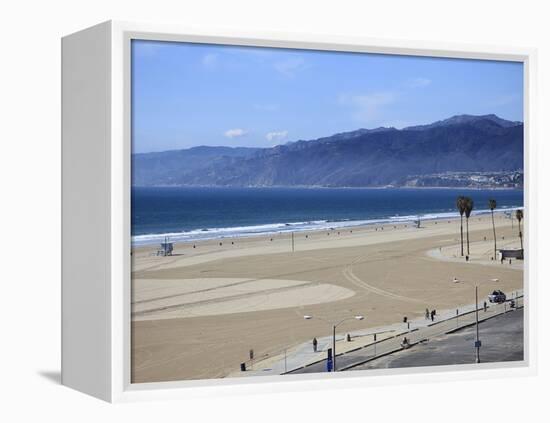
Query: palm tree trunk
[(494, 234), (520, 235), (461, 238), (468, 236)]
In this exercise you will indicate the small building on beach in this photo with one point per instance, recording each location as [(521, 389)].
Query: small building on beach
[(509, 254)]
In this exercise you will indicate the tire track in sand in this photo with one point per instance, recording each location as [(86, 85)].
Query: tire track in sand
[(347, 271)]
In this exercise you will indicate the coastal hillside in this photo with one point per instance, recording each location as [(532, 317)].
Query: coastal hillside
[(176, 167), (426, 155)]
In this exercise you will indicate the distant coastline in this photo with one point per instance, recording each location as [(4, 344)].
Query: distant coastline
[(209, 234)]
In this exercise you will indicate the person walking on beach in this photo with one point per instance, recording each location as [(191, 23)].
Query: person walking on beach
[(427, 314), (314, 344), (432, 314)]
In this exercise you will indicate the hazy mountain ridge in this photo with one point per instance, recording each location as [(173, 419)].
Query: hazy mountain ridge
[(361, 158), (462, 119), (171, 167)]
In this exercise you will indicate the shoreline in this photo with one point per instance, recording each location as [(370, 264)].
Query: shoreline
[(278, 228)]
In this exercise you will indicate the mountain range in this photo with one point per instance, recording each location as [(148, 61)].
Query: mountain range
[(360, 158)]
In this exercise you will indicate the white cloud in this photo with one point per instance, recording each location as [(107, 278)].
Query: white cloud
[(367, 107), (291, 66), (210, 60), (276, 136), (235, 133), (418, 82)]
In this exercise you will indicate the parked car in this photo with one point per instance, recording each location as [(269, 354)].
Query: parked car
[(497, 296)]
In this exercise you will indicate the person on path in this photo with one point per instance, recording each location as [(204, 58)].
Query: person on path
[(485, 306), (427, 314), (432, 314), (314, 344)]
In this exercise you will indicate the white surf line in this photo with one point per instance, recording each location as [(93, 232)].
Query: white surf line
[(351, 277)]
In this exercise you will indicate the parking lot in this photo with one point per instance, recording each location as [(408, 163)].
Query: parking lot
[(501, 338)]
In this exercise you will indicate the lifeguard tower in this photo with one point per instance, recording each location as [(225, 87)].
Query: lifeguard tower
[(166, 248)]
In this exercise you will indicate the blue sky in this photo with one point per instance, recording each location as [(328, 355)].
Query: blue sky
[(185, 95)]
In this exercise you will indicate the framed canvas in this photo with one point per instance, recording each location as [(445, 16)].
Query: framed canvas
[(264, 212)]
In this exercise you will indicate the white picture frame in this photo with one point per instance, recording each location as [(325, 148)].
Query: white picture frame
[(96, 207)]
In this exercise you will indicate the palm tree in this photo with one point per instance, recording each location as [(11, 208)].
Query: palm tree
[(460, 207), (492, 206), (468, 207), (519, 217)]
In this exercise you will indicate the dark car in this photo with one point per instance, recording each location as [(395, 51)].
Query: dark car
[(497, 297)]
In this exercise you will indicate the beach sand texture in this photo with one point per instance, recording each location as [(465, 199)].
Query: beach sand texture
[(197, 314)]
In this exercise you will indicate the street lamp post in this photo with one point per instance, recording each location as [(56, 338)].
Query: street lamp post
[(333, 348), (334, 326), (478, 342)]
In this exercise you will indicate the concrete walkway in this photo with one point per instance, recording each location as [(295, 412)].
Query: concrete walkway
[(363, 348)]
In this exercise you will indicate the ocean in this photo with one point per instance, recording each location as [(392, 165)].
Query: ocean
[(192, 214)]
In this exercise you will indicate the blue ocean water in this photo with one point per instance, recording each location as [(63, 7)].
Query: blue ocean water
[(188, 214)]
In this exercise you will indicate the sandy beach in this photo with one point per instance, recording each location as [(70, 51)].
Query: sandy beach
[(198, 313)]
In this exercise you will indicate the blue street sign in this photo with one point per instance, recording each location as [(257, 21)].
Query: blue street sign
[(477, 344)]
